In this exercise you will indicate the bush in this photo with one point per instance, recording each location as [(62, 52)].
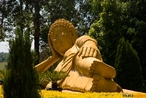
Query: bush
[(129, 74), (52, 76), (21, 79)]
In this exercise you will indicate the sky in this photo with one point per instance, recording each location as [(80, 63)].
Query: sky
[(4, 46)]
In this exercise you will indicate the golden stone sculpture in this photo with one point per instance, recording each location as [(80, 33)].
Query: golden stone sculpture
[(80, 58)]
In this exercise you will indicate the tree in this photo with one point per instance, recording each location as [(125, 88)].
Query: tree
[(37, 27), (120, 18), (3, 57), (86, 17), (139, 41), (21, 79), (128, 67), (20, 13), (52, 11), (55, 9), (106, 30), (37, 16), (2, 18)]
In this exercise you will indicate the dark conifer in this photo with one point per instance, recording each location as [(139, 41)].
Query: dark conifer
[(128, 68), (21, 79)]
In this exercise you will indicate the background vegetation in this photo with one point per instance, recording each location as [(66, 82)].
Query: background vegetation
[(3, 60), (4, 57), (105, 20)]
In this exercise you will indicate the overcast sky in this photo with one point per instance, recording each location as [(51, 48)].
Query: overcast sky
[(4, 46)]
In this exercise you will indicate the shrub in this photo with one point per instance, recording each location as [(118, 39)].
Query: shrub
[(52, 76), (21, 79), (128, 68)]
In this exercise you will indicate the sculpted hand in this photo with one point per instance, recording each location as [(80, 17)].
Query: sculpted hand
[(87, 52), (89, 49)]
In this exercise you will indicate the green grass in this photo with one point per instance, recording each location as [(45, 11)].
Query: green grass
[(2, 65)]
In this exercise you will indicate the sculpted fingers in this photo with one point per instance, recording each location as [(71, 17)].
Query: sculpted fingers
[(94, 53), (87, 53), (82, 51)]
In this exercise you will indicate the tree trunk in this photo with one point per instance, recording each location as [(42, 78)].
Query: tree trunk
[(2, 20), (36, 28)]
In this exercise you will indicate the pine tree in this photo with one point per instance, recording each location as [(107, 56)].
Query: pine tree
[(21, 79), (128, 68)]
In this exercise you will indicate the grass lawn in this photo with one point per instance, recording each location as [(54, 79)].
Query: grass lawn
[(2, 65)]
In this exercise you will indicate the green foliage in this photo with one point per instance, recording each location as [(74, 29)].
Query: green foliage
[(37, 16), (55, 9), (45, 53), (128, 67), (2, 74), (85, 14), (106, 30), (111, 20), (2, 20), (21, 79), (3, 65), (120, 18), (3, 56)]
